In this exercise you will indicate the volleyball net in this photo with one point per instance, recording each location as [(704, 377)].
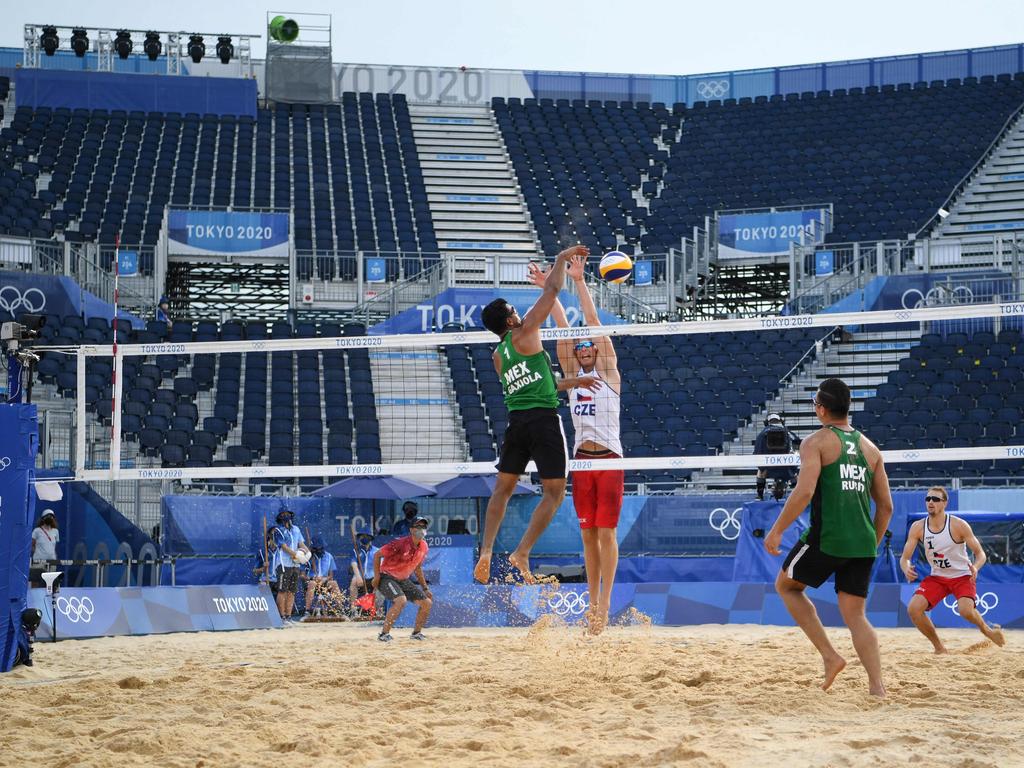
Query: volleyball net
[(430, 405)]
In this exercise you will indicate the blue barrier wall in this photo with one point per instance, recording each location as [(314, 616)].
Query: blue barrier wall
[(19, 441), (704, 603), (750, 83), (92, 529), (52, 295), (155, 93), (154, 610), (661, 538)]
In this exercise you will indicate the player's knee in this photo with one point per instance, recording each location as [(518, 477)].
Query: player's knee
[(917, 608), (399, 602), (555, 489), (966, 607), (426, 603), (606, 535)]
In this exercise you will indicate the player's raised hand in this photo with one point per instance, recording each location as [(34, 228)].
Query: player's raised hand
[(536, 274), (577, 265), (574, 250)]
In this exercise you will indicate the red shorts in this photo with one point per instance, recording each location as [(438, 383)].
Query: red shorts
[(597, 495), (935, 588)]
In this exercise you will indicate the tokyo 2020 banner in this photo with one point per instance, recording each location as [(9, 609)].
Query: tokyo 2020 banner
[(742, 235), (228, 233)]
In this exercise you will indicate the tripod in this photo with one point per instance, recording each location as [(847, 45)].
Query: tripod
[(888, 558)]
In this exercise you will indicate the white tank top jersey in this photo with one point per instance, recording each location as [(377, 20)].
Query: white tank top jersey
[(947, 557), (595, 415)]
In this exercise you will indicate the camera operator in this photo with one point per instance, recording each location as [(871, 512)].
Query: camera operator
[(774, 438), (30, 620)]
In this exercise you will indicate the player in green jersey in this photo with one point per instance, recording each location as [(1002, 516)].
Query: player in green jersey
[(534, 427), (841, 471)]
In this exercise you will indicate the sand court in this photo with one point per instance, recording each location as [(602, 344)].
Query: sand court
[(332, 695)]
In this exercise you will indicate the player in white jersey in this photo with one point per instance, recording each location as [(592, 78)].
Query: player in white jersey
[(945, 540), (596, 495)]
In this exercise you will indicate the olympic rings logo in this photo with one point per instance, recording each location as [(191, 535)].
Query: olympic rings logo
[(461, 467), (459, 338), (569, 603), (984, 603), (712, 89), (728, 524), (902, 315), (76, 609), (938, 295), (910, 455), (12, 299), (5, 462)]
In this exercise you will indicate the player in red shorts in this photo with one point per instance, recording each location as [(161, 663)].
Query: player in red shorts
[(945, 540), (596, 495)]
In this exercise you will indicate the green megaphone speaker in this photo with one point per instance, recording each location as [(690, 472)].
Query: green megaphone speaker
[(283, 30)]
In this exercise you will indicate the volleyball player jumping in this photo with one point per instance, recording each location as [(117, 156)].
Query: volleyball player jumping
[(596, 495), (534, 427)]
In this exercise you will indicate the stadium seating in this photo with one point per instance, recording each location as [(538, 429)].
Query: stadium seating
[(953, 390), (349, 171), (873, 153), (287, 407)]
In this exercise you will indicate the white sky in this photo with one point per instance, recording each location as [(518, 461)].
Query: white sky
[(654, 37)]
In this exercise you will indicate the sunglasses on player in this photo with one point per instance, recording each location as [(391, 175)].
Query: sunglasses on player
[(584, 345), (936, 499)]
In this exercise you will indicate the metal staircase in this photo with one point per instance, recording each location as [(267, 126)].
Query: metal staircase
[(472, 191), (993, 200)]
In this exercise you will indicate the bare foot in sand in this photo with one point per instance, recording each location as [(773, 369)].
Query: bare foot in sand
[(879, 691), (482, 571), (832, 668), (522, 564), (995, 634), (596, 621), (941, 650)]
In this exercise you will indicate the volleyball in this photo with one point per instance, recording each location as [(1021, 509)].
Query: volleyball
[(615, 267)]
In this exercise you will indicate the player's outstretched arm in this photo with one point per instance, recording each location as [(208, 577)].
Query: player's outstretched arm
[(539, 312), (538, 276), (607, 361), (806, 481)]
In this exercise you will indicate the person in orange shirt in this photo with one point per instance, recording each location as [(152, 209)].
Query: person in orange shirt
[(393, 564)]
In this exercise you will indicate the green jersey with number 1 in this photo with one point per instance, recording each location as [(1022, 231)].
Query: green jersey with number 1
[(526, 380), (841, 522)]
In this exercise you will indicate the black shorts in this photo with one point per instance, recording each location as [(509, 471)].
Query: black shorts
[(287, 579), (393, 588), (812, 567), (536, 434)]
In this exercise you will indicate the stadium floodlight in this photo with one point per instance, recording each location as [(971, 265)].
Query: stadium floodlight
[(152, 47), (196, 48), (225, 50), (79, 42), (123, 44), (49, 40)]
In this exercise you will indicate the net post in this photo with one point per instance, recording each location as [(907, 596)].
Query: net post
[(80, 423), (115, 417)]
